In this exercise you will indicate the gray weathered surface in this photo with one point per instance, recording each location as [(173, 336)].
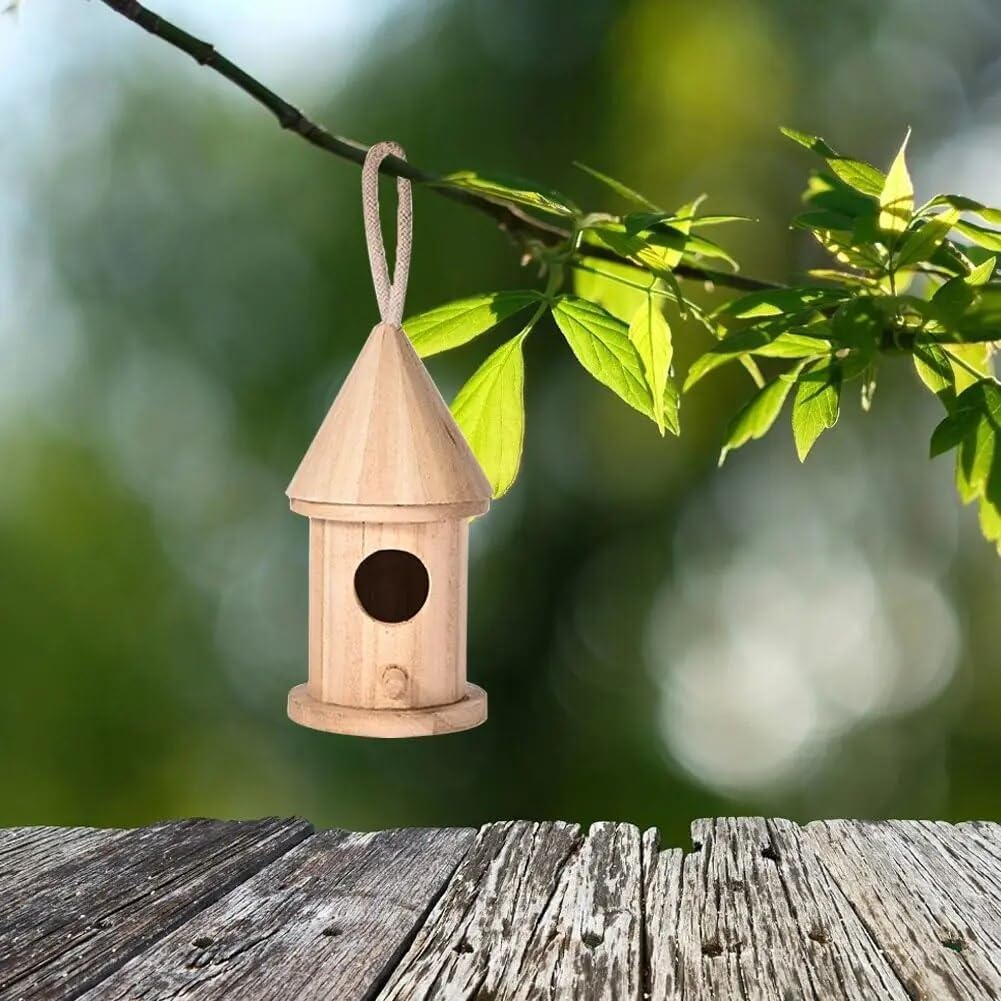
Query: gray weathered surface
[(751, 914), (755, 910), (536, 910), (929, 894), (27, 852), (67, 929), (327, 920)]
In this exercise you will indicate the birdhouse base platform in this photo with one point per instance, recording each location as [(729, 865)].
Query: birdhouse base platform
[(469, 711)]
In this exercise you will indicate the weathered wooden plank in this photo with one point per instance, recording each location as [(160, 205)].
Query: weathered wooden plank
[(477, 934), (662, 896), (535, 911), (751, 914), (27, 852), (922, 893), (328, 920), (75, 925)]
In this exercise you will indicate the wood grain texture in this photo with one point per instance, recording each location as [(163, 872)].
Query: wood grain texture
[(356, 660), (535, 911), (467, 712), (930, 894), (27, 852), (69, 928), (751, 914), (756, 910), (389, 439), (328, 920)]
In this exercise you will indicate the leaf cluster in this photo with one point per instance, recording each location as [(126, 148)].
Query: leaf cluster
[(902, 279)]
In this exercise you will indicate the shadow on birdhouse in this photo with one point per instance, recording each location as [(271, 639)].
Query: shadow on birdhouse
[(389, 486)]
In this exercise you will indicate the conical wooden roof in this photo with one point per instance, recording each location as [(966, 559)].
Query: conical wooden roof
[(389, 439)]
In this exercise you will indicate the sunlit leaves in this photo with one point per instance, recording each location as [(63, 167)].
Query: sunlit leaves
[(983, 272), (935, 371), (973, 428), (989, 239), (651, 336), (923, 240), (619, 288), (777, 302), (857, 174), (490, 410), (756, 417), (964, 204), (859, 323), (660, 249), (813, 143), (816, 404), (458, 322), (511, 191), (896, 199), (601, 343), (763, 342), (900, 282)]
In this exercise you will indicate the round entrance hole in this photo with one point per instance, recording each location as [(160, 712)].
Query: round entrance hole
[(392, 585)]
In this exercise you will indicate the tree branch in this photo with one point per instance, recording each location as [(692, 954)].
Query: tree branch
[(519, 225)]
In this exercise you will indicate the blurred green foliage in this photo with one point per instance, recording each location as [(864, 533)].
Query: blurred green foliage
[(187, 286)]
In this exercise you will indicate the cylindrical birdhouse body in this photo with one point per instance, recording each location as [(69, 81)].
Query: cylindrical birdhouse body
[(389, 486), (387, 613)]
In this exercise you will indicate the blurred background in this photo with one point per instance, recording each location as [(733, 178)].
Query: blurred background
[(183, 286)]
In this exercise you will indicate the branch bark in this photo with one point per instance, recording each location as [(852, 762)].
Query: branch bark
[(519, 225)]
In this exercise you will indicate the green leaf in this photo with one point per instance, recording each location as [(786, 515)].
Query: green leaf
[(620, 288), (896, 199), (776, 302), (989, 239), (757, 416), (490, 410), (601, 344), (859, 323), (672, 256), (754, 341), (510, 191), (458, 322), (933, 368), (973, 427), (651, 336), (637, 222), (983, 272), (850, 249), (859, 175), (975, 356), (672, 407), (813, 143), (828, 193), (922, 241), (816, 404), (822, 219), (950, 432), (617, 186), (952, 299), (964, 204), (659, 250)]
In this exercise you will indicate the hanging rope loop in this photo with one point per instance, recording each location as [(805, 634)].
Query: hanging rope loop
[(389, 294)]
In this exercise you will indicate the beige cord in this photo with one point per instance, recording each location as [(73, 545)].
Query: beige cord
[(389, 295)]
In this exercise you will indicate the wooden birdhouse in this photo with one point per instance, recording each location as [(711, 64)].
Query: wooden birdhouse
[(389, 486)]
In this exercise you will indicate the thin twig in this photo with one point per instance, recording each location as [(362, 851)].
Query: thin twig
[(520, 225)]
